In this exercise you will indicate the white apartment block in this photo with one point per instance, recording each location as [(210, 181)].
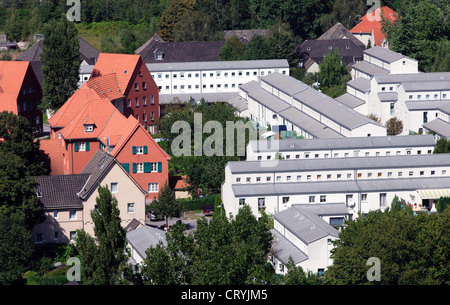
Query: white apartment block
[(340, 147), (211, 77), (388, 84), (363, 184), (278, 99)]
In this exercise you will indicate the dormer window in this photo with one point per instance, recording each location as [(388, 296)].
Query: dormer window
[(89, 128), (159, 55)]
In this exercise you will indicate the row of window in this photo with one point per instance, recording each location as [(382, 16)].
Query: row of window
[(204, 86), (136, 86), (28, 106), (153, 187), (340, 176), (427, 96), (347, 155), (218, 74), (144, 101)]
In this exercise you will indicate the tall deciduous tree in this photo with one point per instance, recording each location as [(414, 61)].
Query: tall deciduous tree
[(172, 15), (442, 146), (234, 49), (166, 205), (60, 63), (394, 126), (332, 70), (283, 42), (103, 257)]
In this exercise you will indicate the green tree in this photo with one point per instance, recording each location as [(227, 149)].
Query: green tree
[(234, 49), (60, 63), (346, 12), (196, 26), (15, 249), (258, 48), (297, 276), (442, 58), (172, 15), (442, 204), (442, 146), (394, 126), (166, 205), (283, 42), (103, 257), (332, 70)]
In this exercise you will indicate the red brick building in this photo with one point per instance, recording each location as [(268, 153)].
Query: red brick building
[(141, 94), (20, 92)]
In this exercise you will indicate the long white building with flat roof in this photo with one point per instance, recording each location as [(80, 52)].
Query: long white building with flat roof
[(340, 147), (279, 99), (363, 184)]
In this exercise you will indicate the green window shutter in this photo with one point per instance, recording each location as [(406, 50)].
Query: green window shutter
[(76, 146), (159, 167), (134, 150), (134, 168), (126, 166), (87, 146), (145, 150), (67, 146), (147, 167)]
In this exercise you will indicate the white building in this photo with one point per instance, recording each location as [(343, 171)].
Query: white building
[(278, 99), (364, 184), (305, 234), (340, 147), (388, 84)]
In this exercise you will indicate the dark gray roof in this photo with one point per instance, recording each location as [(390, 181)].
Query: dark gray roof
[(338, 31), (293, 165), (318, 49), (145, 237), (88, 52), (244, 35), (282, 249), (344, 186), (33, 53), (186, 51), (60, 191), (425, 140), (305, 224)]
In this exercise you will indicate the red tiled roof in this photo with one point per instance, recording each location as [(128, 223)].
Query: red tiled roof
[(122, 65), (106, 86), (12, 75), (371, 23), (53, 149)]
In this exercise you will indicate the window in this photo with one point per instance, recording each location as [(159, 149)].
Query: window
[(328, 176), (319, 177), (288, 178), (55, 236), (89, 128), (308, 177), (136, 86), (433, 173), (130, 208), (369, 175), (73, 235), (268, 178), (248, 179), (258, 179), (419, 152), (382, 199), (363, 197), (312, 199), (261, 204), (114, 187), (136, 102), (238, 180), (139, 167), (422, 173), (349, 176), (278, 178), (38, 238), (241, 201), (144, 85), (339, 176), (323, 198), (336, 221), (444, 172), (299, 177), (400, 174), (153, 187), (72, 214), (285, 199), (152, 100), (411, 173), (55, 214), (359, 175), (82, 146), (144, 99), (380, 175)]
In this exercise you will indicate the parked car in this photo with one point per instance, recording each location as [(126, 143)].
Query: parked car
[(153, 217), (208, 210)]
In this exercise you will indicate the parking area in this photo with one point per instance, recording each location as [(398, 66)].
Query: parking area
[(189, 218)]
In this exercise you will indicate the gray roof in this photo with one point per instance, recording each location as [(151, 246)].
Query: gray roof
[(350, 100), (344, 186), (388, 96), (284, 83), (384, 54), (282, 249), (244, 35), (299, 165), (328, 209), (439, 126), (318, 49), (268, 100), (305, 224), (60, 191), (308, 124), (369, 68), (426, 140), (427, 86), (238, 103), (218, 65), (338, 31), (145, 237), (427, 105), (361, 84), (417, 78)]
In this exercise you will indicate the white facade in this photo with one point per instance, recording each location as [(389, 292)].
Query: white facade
[(211, 77)]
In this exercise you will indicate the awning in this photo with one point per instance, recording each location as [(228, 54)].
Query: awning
[(434, 194)]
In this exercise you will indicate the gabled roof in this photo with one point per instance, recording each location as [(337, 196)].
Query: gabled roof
[(186, 51), (318, 49), (122, 65), (145, 237), (88, 52), (371, 24), (60, 191), (53, 148), (106, 86), (12, 76), (338, 31)]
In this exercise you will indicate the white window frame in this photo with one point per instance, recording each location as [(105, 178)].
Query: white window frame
[(72, 214), (153, 187), (114, 187), (130, 207)]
